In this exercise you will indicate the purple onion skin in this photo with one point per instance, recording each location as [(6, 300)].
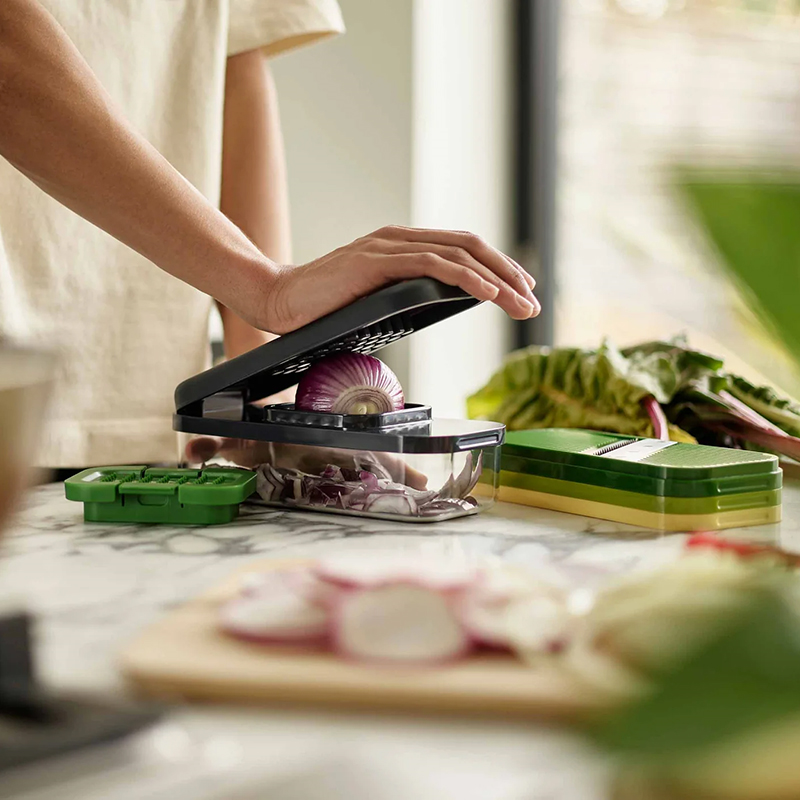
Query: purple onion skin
[(349, 383)]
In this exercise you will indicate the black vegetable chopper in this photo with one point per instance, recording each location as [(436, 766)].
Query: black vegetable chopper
[(403, 465)]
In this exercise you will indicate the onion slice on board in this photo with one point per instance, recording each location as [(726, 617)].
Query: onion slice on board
[(275, 610), (484, 616), (364, 570), (275, 580), (539, 623), (508, 609), (301, 580), (398, 623)]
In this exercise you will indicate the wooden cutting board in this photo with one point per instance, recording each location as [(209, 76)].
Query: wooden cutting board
[(184, 657)]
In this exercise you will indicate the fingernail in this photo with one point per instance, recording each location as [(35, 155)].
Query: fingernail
[(491, 290), (527, 307)]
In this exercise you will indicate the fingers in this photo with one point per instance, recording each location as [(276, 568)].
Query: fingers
[(250, 454), (529, 279), (298, 295), (465, 249), (242, 452), (403, 473), (501, 265), (417, 265), (415, 479), (203, 449), (509, 299)]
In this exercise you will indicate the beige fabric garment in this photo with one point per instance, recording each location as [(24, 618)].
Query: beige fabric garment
[(127, 332)]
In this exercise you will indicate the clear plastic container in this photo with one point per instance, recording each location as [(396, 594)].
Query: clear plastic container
[(409, 486)]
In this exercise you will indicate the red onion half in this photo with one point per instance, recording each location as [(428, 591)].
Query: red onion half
[(350, 383)]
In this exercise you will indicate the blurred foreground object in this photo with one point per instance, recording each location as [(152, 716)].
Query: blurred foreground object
[(753, 218), (644, 624), (25, 381), (34, 724), (724, 724), (711, 643)]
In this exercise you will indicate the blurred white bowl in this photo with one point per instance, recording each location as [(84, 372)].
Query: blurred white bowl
[(25, 383)]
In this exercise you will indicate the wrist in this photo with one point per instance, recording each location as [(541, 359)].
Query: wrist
[(249, 281), (272, 314)]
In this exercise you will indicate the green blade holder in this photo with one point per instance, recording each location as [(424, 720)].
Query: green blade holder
[(137, 494)]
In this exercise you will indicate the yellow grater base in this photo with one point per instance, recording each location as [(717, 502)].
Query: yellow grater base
[(644, 519)]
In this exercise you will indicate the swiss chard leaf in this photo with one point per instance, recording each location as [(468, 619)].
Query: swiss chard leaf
[(570, 388), (782, 411), (696, 373), (604, 389)]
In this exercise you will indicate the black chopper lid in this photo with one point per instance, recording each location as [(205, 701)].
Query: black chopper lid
[(221, 400), (364, 326)]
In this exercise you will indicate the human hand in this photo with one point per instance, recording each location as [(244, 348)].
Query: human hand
[(300, 294), (311, 460)]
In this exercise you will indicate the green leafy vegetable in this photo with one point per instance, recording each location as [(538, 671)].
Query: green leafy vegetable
[(724, 724), (612, 390), (782, 411), (695, 372), (753, 220), (571, 388)]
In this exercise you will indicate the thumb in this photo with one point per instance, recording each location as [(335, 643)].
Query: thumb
[(242, 452), (203, 449)]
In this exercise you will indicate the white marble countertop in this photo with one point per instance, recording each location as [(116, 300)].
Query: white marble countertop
[(92, 586)]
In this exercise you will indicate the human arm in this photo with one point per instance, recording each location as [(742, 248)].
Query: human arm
[(254, 191), (62, 130)]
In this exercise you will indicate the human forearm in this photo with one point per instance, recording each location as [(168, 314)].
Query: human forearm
[(62, 130), (254, 191)]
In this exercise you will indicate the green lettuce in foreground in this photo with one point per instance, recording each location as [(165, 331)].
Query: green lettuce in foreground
[(724, 723)]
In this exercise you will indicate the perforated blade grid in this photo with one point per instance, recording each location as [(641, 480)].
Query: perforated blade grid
[(413, 416), (366, 341), (365, 326), (708, 457)]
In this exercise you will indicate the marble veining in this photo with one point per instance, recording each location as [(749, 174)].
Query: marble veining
[(93, 586)]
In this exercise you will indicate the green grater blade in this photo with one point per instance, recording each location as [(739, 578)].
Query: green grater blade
[(643, 484), (679, 461), (662, 485)]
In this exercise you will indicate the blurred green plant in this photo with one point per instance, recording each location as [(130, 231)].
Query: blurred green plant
[(658, 8), (725, 723), (754, 221)]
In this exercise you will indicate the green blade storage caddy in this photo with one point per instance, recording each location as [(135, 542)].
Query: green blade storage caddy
[(667, 486), (152, 495)]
